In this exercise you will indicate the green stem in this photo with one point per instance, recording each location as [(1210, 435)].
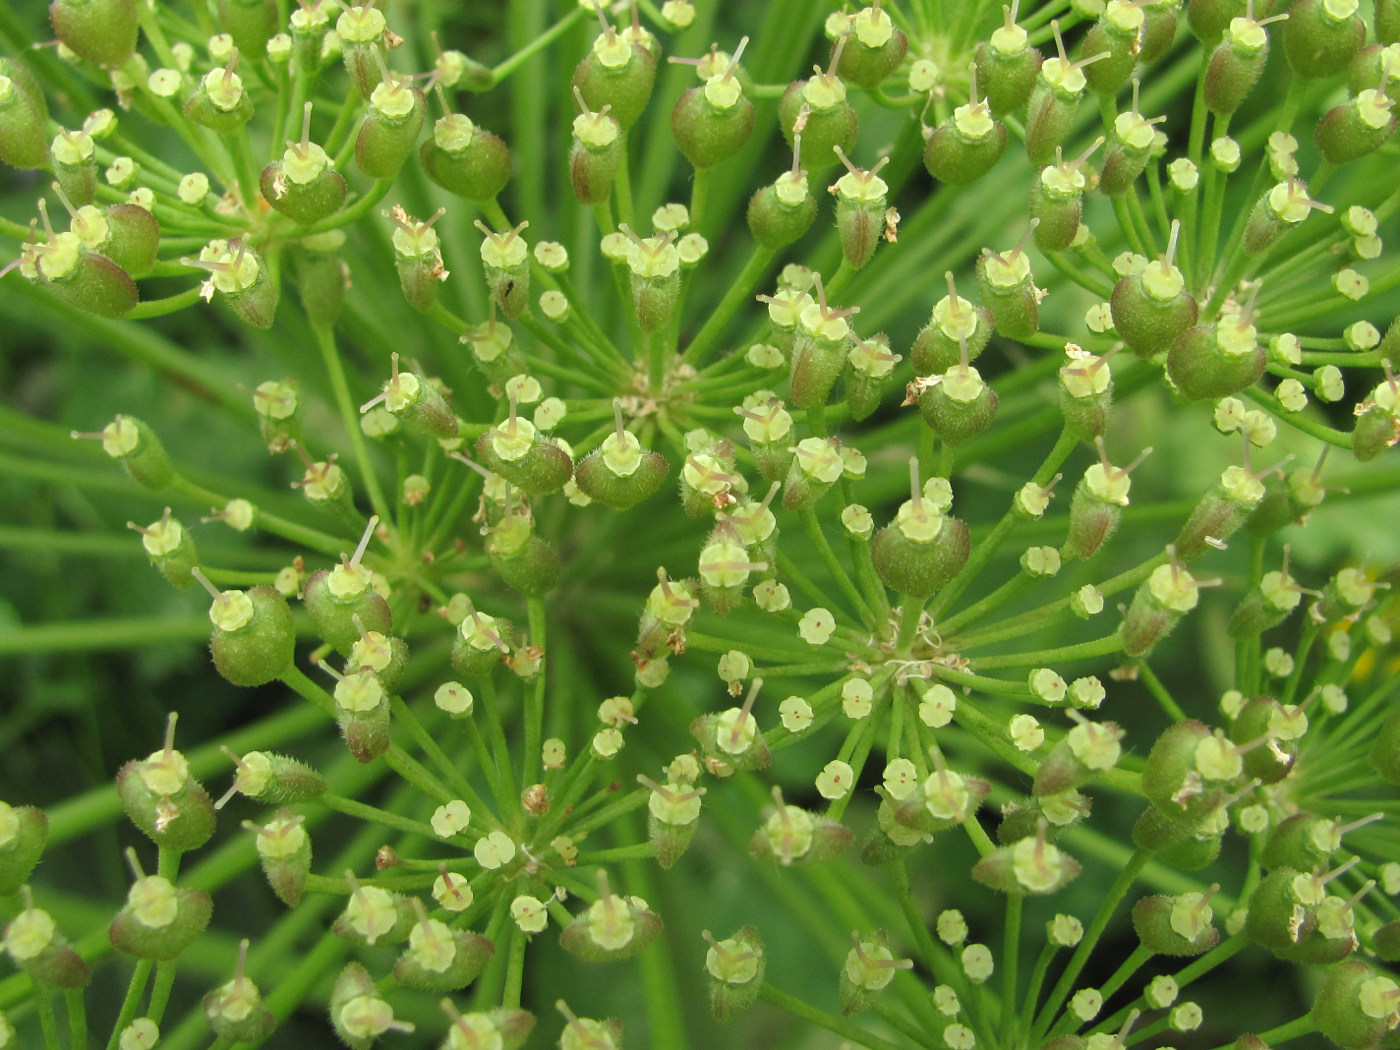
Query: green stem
[(795, 1006), (838, 572), (350, 419), (134, 990), (352, 808), (509, 65), (1108, 644), (160, 991), (738, 294), (77, 1017), (43, 1003), (1011, 949)]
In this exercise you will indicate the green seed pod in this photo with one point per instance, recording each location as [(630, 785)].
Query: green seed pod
[(869, 367), (1007, 66), (956, 405), (1354, 1005), (620, 473), (1158, 31), (1117, 35), (439, 958), (24, 115), (464, 159), (1200, 846), (131, 240), (390, 129), (505, 260), (968, 144), (791, 835), (611, 928), (1209, 19), (820, 347), (417, 401), (1178, 926), (135, 446), (358, 1014), (873, 48), (159, 921), (235, 1009), (239, 273), (1159, 602), (1216, 360), (1009, 291), (524, 561), (1268, 604), (1152, 309), (251, 23), (480, 644), (102, 32), (734, 969), (37, 947), (1221, 512), (596, 153), (1090, 748), (77, 276), (361, 30), (1057, 200), (1235, 65), (1359, 126), (1377, 425), (922, 549), (954, 324), (362, 712), (164, 801), (617, 74), (418, 262), (1085, 393), (654, 265), (253, 641), (342, 603), (1175, 779), (273, 780), (1321, 37), (220, 103), (302, 185), (321, 277), (385, 658), (781, 212), (1276, 213), (860, 210), (1097, 505), (170, 549), (1030, 866), (826, 119), (713, 123), (1129, 148), (74, 159), (1054, 102), (325, 486), (24, 831), (528, 460)]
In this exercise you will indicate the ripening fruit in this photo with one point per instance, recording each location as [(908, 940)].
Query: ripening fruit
[(874, 48), (254, 640), (921, 550), (302, 184), (1321, 37), (616, 74), (24, 115), (1007, 65), (101, 31), (714, 122), (464, 159), (251, 23)]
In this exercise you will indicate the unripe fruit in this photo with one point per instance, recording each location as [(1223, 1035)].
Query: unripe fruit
[(1054, 102), (620, 473), (1385, 752), (1355, 128), (1085, 393), (956, 405), (1178, 926), (673, 814), (791, 835), (781, 212), (1321, 37), (1208, 19), (361, 30), (505, 261), (251, 23), (1236, 64), (921, 550), (24, 114), (1117, 35), (1266, 735), (1277, 212), (860, 210), (390, 129), (33, 942), (464, 159), (335, 599), (480, 644), (321, 277), (524, 561), (528, 460), (1159, 602), (418, 262), (417, 401), (968, 144), (159, 921), (1354, 1006), (440, 959), (164, 801), (1388, 21), (714, 122), (1216, 360), (613, 927), (135, 446), (358, 1014), (822, 342), (1057, 200), (1030, 866), (169, 547), (874, 48), (817, 110), (870, 366), (1129, 148), (239, 273), (1152, 309), (734, 969), (816, 465), (1171, 780), (1158, 30), (1221, 512), (235, 1009), (1097, 505), (302, 184), (617, 74), (1007, 66), (1008, 289), (102, 32), (220, 103), (955, 323), (1268, 604), (254, 640), (24, 830)]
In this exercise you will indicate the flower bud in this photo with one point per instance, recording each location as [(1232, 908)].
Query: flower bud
[(24, 115), (1178, 926), (734, 969), (817, 109), (164, 801), (390, 128), (235, 1009), (251, 23), (1007, 66), (465, 160), (618, 74), (102, 32), (253, 641), (159, 921), (873, 49), (1321, 37), (24, 830)]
